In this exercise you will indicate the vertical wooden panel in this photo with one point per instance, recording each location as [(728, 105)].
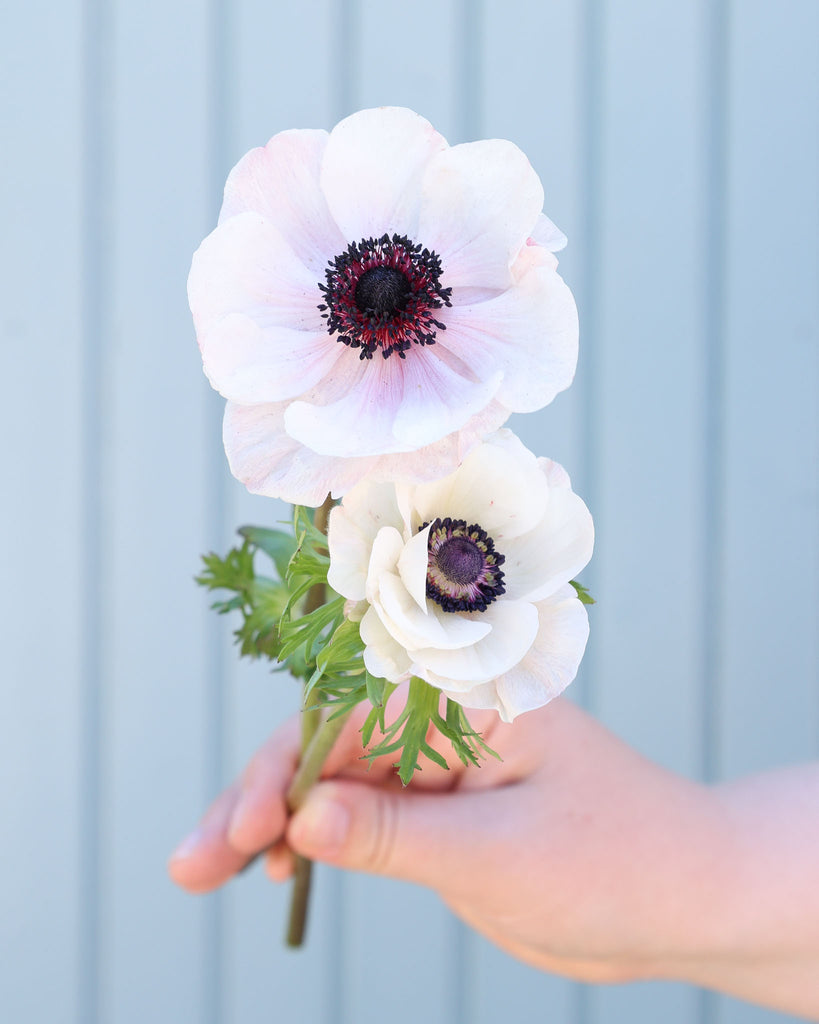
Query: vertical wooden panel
[(282, 72), (404, 58), (649, 405), (769, 712), (531, 93), (155, 938), (41, 515), (641, 264), (408, 58)]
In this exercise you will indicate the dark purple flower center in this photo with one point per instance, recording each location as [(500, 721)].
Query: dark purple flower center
[(380, 295), (463, 567)]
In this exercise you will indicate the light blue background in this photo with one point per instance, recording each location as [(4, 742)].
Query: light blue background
[(679, 146)]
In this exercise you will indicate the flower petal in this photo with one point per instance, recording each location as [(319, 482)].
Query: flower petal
[(372, 171), (414, 628), (413, 564), (384, 554), (553, 659), (389, 405), (280, 181), (269, 462), (249, 364), (246, 266), (383, 656), (482, 696), (360, 421), (480, 202), (547, 557), (514, 628), (548, 234), (499, 486), (351, 531), (437, 400), (529, 332)]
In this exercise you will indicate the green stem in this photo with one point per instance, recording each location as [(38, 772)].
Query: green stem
[(310, 723), (306, 776), (316, 597)]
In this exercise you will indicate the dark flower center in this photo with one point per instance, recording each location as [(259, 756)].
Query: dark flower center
[(381, 295), (463, 567), (460, 560), (382, 290)]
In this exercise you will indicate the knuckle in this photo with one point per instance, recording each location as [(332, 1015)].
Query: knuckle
[(384, 833)]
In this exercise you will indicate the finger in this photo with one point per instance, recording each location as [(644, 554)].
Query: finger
[(205, 859), (260, 814), (437, 840), (279, 862)]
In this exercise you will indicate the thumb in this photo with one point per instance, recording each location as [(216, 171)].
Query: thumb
[(428, 838)]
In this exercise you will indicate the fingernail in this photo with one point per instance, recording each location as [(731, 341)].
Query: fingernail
[(188, 845), (237, 819), (321, 825)]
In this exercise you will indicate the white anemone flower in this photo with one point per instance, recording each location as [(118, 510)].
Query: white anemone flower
[(464, 581), (374, 301)]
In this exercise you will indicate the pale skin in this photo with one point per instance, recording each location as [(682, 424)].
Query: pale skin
[(574, 853)]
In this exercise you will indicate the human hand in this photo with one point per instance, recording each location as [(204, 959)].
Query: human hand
[(573, 853)]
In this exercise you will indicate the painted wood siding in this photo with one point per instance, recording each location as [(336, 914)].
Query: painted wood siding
[(679, 149)]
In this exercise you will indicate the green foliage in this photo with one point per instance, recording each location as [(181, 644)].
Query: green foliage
[(295, 620), (259, 599), (582, 593), (409, 732)]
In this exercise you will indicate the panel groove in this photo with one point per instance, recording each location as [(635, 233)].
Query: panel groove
[(347, 57), (588, 297), (589, 284), (96, 319), (715, 96), (215, 683)]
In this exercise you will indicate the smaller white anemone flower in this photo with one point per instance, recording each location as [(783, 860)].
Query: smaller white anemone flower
[(373, 301), (465, 581)]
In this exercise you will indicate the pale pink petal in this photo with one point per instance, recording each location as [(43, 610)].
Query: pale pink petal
[(383, 656), (529, 332), (246, 266), (438, 400), (444, 456), (358, 423), (556, 475), (280, 181), (553, 659), (384, 555), (413, 565), (250, 364), (481, 697), (351, 531), (480, 202), (269, 462), (372, 171), (389, 405), (514, 628), (414, 628), (546, 558), (500, 487), (548, 234)]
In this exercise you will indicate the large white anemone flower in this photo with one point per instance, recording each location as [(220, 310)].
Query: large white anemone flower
[(464, 581), (373, 301)]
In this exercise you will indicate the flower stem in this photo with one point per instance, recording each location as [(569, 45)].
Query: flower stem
[(306, 776), (310, 723)]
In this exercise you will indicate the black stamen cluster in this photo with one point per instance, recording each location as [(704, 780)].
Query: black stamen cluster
[(447, 582), (380, 293)]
